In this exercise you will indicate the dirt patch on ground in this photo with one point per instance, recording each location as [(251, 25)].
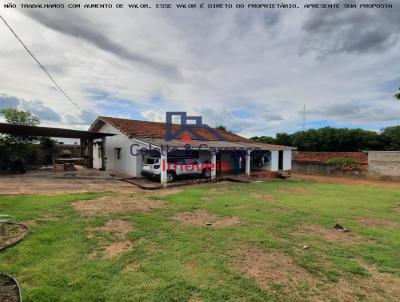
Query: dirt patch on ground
[(131, 267), (388, 283), (293, 190), (29, 223), (207, 199), (263, 196), (225, 222), (116, 248), (115, 204), (46, 218), (277, 272), (11, 233), (200, 217), (376, 222), (49, 218), (220, 190), (9, 291), (50, 183), (195, 298), (333, 235), (375, 287), (119, 228), (397, 210), (273, 269)]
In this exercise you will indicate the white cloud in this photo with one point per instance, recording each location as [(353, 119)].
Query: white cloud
[(211, 62), (153, 116)]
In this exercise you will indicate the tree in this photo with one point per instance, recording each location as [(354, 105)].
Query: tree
[(330, 139), (223, 128), (264, 139), (283, 139), (397, 95), (391, 138), (17, 117), (17, 148)]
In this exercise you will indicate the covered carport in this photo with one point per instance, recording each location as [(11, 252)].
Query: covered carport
[(217, 152), (86, 138)]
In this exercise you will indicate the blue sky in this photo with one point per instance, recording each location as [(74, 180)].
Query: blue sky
[(251, 70)]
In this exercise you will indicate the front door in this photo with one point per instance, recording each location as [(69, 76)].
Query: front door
[(280, 161)]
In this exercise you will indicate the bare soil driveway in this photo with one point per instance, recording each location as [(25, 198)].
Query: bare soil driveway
[(49, 182)]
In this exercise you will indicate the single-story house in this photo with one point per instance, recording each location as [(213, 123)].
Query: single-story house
[(134, 140)]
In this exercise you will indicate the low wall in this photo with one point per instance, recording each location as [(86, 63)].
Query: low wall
[(384, 164), (355, 170)]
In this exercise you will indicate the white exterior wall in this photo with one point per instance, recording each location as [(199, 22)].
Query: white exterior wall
[(128, 164), (274, 160), (287, 160), (96, 158)]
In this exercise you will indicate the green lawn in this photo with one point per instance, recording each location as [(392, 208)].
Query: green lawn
[(258, 256)]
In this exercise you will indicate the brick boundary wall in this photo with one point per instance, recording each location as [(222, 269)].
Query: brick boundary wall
[(314, 163)]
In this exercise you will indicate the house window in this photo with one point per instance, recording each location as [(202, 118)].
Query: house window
[(117, 153)]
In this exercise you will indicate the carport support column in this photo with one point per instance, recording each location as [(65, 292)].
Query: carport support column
[(90, 153), (248, 162), (213, 165), (164, 167), (83, 147), (103, 154)]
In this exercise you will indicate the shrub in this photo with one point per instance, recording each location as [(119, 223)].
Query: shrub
[(339, 161)]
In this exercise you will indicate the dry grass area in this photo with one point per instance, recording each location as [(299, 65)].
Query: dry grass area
[(143, 201), (116, 248), (195, 298), (41, 183), (263, 196), (375, 222), (275, 271), (220, 190), (271, 269), (203, 218), (119, 228), (292, 190), (117, 204), (332, 235), (272, 241), (348, 181), (133, 266)]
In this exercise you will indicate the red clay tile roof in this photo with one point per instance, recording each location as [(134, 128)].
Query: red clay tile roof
[(321, 157), (135, 128)]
